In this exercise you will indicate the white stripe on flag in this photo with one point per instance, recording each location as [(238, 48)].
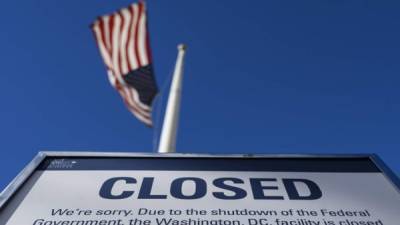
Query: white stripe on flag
[(142, 39), (126, 17), (111, 78), (131, 45), (115, 48), (107, 33)]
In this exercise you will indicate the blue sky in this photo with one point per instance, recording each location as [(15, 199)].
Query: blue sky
[(261, 77)]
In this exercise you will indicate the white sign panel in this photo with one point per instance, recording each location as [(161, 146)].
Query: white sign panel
[(205, 191)]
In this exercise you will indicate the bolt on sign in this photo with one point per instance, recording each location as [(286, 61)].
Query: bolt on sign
[(59, 188)]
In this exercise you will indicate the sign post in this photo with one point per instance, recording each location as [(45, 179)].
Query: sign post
[(60, 188)]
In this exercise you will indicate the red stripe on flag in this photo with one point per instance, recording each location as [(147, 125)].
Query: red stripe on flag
[(103, 34), (121, 27), (130, 9), (110, 33), (149, 55)]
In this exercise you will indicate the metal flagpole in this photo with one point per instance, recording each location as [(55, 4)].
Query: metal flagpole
[(170, 125)]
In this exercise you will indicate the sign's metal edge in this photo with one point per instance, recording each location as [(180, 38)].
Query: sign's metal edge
[(183, 155), (390, 175), (20, 179)]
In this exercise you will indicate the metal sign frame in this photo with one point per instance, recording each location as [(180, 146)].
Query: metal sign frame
[(25, 174)]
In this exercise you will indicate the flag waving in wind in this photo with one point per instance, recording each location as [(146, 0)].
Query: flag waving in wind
[(123, 41)]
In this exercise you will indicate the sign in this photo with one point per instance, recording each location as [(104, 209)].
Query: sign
[(136, 189)]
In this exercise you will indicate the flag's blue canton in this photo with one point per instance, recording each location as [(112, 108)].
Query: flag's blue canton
[(143, 81)]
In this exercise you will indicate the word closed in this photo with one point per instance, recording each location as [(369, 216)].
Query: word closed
[(225, 188)]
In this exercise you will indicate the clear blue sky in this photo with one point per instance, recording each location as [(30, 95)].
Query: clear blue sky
[(261, 77)]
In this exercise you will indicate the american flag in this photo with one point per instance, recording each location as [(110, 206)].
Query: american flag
[(123, 41)]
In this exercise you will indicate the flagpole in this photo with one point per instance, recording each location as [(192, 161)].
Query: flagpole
[(171, 118)]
